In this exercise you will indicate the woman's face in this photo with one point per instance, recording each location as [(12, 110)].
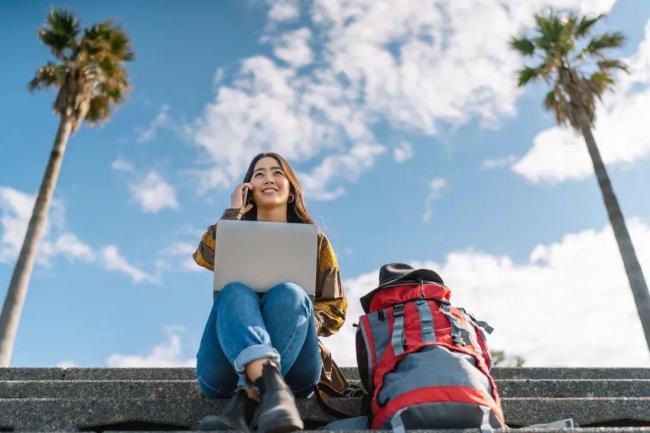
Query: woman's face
[(271, 186)]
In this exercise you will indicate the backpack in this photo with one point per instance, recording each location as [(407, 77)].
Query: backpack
[(424, 363)]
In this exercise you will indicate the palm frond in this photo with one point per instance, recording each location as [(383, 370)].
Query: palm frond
[(60, 33), (114, 88), (106, 43), (523, 45), (527, 75), (603, 42), (555, 34), (599, 82), (119, 44), (549, 26), (48, 75), (572, 98), (569, 25), (105, 47), (585, 25), (91, 76), (550, 100), (566, 40), (607, 64), (99, 109), (556, 103)]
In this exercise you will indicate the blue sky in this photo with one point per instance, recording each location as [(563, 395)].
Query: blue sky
[(410, 138)]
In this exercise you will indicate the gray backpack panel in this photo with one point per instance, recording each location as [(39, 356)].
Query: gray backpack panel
[(433, 366)]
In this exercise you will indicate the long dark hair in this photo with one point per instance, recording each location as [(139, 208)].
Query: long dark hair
[(296, 210)]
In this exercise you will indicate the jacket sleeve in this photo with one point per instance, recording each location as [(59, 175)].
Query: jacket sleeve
[(330, 305), (204, 254)]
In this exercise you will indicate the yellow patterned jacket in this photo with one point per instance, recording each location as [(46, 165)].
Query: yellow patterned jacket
[(330, 305)]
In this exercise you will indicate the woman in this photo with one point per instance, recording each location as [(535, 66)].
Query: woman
[(263, 347)]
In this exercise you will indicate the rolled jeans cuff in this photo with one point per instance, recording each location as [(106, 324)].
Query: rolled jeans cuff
[(251, 353)]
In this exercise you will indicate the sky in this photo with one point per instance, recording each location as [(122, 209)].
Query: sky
[(409, 135)]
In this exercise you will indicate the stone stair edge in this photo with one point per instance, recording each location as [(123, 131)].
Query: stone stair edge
[(348, 367), (84, 412), (340, 399), (17, 389), (193, 380), (521, 430), (523, 373)]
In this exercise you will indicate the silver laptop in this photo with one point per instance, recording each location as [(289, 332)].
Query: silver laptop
[(264, 254)]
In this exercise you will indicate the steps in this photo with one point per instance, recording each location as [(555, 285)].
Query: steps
[(100, 399)]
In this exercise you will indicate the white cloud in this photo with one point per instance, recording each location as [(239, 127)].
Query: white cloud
[(491, 164), (403, 151), (180, 253), (283, 10), (559, 154), (71, 247), (293, 48), (16, 210), (435, 190), (180, 248), (270, 108), (167, 354), (414, 65), (568, 305), (16, 207), (123, 165), (349, 166), (112, 260), (153, 194), (424, 64), (162, 120)]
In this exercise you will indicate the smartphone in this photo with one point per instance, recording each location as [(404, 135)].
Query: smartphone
[(246, 197)]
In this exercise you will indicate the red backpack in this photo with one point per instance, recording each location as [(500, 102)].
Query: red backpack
[(424, 363)]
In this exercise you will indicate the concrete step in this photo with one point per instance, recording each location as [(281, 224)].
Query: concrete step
[(96, 389), (519, 430), (116, 413), (72, 388), (570, 373), (46, 399), (94, 373), (568, 388), (189, 373)]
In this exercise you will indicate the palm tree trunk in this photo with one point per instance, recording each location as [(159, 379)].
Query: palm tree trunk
[(630, 261), (15, 297)]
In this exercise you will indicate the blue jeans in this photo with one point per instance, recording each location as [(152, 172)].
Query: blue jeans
[(244, 326)]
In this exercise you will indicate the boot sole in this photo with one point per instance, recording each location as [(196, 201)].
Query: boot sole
[(285, 426), (283, 429), (216, 426)]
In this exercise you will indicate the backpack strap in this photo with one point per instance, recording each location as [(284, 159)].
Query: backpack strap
[(397, 339), (485, 326), (322, 392), (397, 424), (459, 334), (426, 320), (486, 427)]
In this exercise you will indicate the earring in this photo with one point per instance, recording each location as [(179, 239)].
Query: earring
[(291, 198)]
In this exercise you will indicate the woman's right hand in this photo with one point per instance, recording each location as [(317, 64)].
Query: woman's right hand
[(237, 197)]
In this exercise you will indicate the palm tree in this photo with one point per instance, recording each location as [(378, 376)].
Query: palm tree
[(91, 80), (578, 72)]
